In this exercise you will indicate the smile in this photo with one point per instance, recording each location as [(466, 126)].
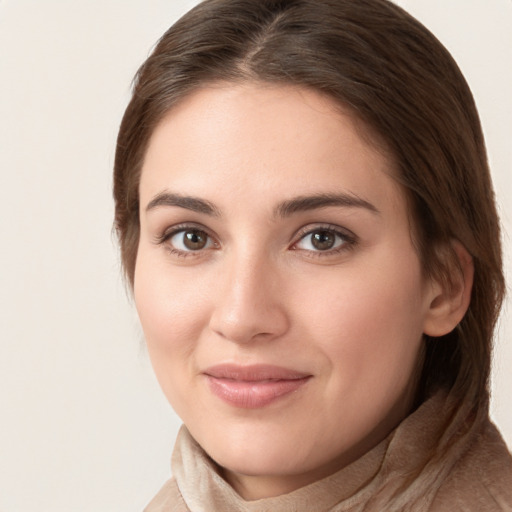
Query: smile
[(253, 387)]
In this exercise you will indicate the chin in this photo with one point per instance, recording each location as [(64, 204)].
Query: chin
[(257, 451)]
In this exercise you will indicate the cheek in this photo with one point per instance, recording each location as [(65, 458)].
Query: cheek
[(172, 309), (168, 299), (368, 321)]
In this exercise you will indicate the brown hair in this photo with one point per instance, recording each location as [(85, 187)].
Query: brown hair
[(399, 80)]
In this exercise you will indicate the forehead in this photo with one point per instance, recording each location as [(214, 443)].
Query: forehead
[(264, 140)]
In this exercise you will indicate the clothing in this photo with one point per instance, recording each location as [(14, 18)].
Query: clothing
[(441, 458)]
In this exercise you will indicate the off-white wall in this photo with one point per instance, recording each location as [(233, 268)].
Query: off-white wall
[(83, 425)]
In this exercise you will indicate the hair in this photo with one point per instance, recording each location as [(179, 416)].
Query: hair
[(398, 79)]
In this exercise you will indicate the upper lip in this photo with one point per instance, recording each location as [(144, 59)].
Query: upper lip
[(253, 373)]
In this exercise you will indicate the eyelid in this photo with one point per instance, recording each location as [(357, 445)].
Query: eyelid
[(350, 239), (312, 227), (169, 232)]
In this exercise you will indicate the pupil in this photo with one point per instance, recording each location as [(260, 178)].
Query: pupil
[(323, 240), (194, 240)]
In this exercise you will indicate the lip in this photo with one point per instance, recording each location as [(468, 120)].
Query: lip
[(255, 386)]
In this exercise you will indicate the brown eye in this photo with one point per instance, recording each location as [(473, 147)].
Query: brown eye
[(187, 240), (195, 240), (323, 240)]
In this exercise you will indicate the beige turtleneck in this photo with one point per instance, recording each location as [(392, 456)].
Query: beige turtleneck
[(440, 458)]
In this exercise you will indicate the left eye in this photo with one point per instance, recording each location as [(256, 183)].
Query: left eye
[(190, 240), (321, 240)]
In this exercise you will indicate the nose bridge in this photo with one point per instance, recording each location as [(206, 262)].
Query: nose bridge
[(251, 280), (249, 303)]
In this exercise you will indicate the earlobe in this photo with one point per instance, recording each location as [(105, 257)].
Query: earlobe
[(450, 298)]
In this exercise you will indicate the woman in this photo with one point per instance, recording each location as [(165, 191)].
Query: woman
[(307, 220)]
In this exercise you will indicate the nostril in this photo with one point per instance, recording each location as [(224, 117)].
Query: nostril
[(249, 324), (248, 303)]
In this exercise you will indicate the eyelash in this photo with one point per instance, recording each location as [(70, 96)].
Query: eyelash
[(348, 240), (182, 228)]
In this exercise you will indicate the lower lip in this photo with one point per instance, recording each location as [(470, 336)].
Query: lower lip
[(253, 394)]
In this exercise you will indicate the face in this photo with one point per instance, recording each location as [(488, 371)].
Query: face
[(280, 294)]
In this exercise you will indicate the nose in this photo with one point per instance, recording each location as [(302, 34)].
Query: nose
[(250, 303)]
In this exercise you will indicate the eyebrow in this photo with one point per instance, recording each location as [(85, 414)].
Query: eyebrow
[(284, 209), (317, 201), (187, 202)]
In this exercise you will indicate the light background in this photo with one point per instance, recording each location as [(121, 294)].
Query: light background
[(83, 425)]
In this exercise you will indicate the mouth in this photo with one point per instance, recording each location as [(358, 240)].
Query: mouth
[(255, 386)]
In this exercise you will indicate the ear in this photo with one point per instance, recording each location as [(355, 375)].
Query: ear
[(450, 297)]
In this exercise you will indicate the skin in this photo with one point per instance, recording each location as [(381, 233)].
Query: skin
[(351, 317)]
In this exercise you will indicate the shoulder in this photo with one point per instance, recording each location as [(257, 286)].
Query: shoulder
[(481, 479), (168, 499)]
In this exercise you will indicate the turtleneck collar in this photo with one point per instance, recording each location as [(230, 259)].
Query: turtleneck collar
[(203, 488), (406, 471)]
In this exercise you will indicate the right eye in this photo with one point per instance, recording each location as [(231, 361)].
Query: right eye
[(189, 240)]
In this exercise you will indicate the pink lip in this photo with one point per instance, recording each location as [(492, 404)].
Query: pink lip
[(255, 386)]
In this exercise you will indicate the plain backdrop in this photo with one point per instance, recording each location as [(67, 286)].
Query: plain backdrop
[(83, 424)]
